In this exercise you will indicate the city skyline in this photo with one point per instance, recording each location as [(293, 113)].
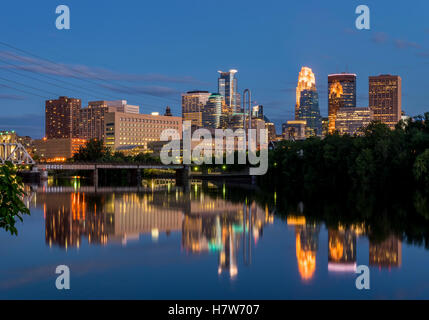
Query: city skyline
[(152, 80)]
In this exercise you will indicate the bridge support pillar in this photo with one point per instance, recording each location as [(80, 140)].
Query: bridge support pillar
[(139, 176), (44, 175), (182, 178), (95, 177)]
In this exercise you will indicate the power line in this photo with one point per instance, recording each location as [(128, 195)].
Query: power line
[(23, 91), (24, 85), (77, 71), (68, 83), (40, 80), (52, 78)]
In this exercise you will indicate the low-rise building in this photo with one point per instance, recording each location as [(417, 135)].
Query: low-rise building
[(126, 129), (57, 150)]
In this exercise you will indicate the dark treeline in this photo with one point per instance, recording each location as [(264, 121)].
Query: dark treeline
[(380, 160)]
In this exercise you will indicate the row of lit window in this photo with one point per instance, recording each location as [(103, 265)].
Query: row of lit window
[(149, 121)]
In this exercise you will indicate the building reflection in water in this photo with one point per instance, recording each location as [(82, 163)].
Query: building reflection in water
[(68, 218), (216, 225), (207, 223), (342, 250), (307, 244), (386, 254)]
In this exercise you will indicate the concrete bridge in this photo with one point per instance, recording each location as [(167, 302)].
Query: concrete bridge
[(182, 171)]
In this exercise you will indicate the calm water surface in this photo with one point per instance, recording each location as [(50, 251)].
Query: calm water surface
[(160, 242)]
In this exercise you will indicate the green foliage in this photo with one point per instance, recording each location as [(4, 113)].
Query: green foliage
[(421, 168), (95, 151), (11, 192), (376, 161)]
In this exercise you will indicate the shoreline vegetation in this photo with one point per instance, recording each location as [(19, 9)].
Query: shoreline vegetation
[(380, 161), (12, 207)]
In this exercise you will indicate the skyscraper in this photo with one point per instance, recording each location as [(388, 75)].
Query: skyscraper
[(385, 98), (306, 81), (62, 118), (310, 112), (341, 93), (193, 104), (212, 114), (352, 120), (227, 87)]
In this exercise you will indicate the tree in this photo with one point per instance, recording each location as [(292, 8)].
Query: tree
[(11, 192), (93, 151), (421, 168)]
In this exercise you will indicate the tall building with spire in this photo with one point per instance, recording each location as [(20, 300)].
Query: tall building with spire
[(306, 81), (307, 103), (227, 87), (341, 93)]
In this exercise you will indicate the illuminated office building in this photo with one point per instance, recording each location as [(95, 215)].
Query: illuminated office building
[(91, 119), (193, 104), (325, 127), (309, 111), (258, 112), (62, 118), (125, 130), (385, 98), (341, 93), (271, 128), (352, 120), (386, 254), (294, 130), (91, 124), (120, 106), (227, 87), (57, 150), (212, 115), (306, 81), (260, 126)]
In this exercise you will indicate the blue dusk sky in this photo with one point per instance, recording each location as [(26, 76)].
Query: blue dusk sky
[(149, 52)]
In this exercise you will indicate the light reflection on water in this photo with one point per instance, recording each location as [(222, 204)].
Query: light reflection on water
[(198, 230)]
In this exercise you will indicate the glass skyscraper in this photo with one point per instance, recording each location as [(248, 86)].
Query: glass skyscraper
[(193, 105), (341, 93), (306, 81), (307, 103), (310, 112), (227, 87), (212, 114)]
